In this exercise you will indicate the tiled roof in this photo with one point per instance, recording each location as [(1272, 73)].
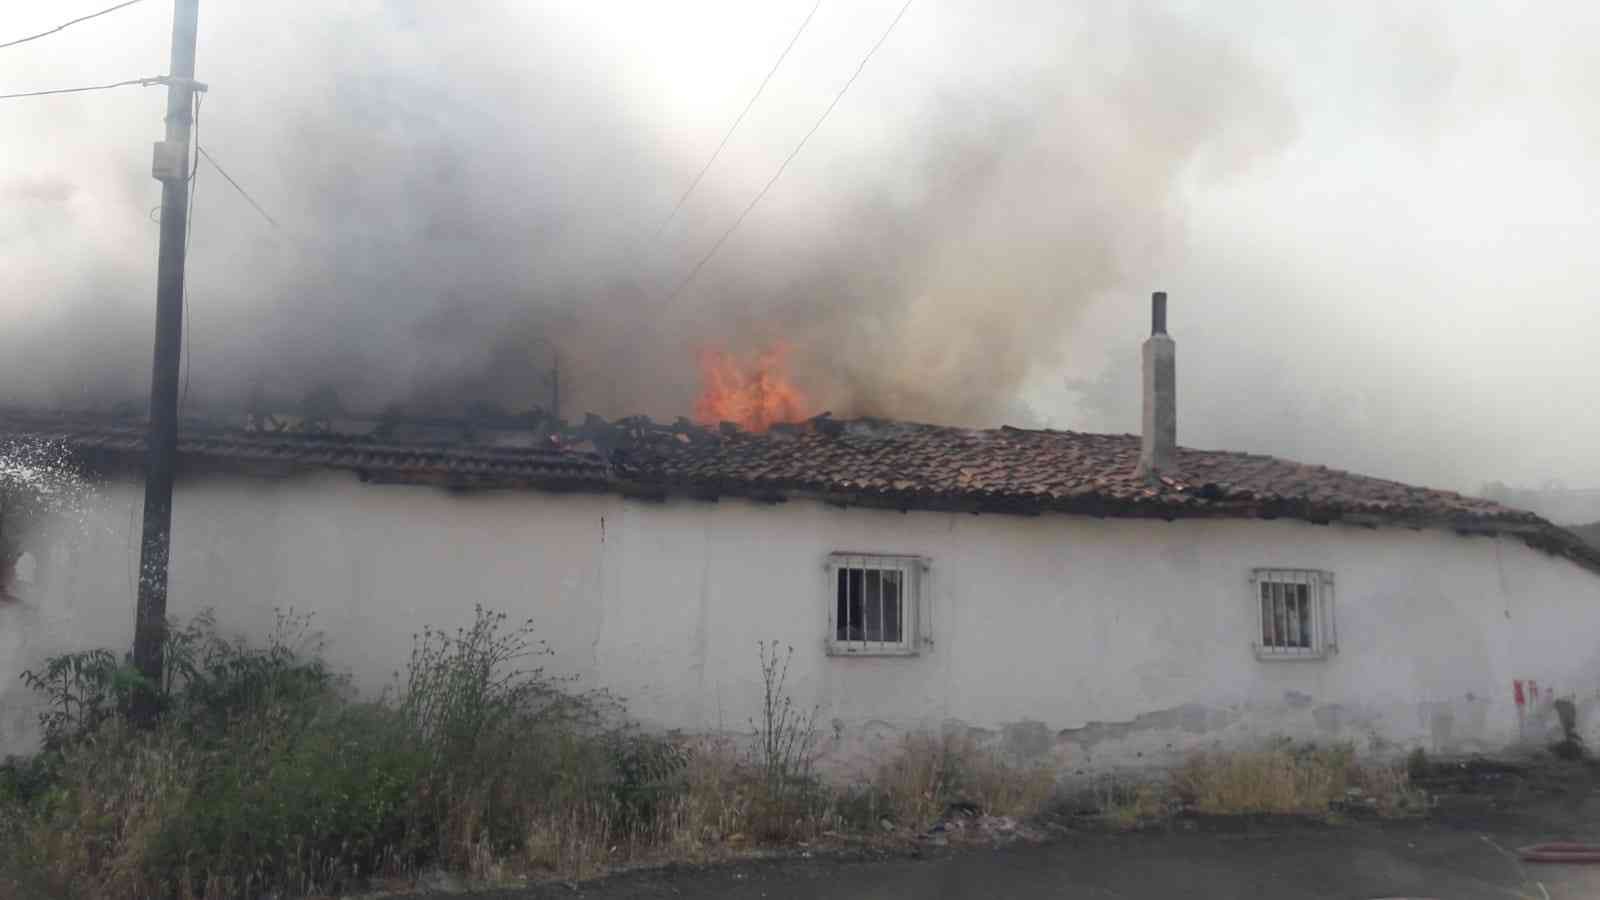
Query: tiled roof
[(454, 466), (862, 462), (1036, 471), (1013, 470)]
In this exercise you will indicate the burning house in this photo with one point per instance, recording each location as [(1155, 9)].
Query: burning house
[(1095, 600)]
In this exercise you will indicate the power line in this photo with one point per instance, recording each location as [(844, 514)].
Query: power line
[(142, 82), (790, 158), (35, 37), (742, 113), (242, 192)]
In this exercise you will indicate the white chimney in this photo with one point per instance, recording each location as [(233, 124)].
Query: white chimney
[(1158, 447)]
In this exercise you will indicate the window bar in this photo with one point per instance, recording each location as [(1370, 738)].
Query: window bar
[(869, 586), (1293, 609), (1306, 625), (881, 623), (1314, 596), (1304, 617), (1279, 617), (1266, 614), (847, 634), (850, 606), (1314, 614), (908, 612), (1292, 590), (1330, 624), (866, 606), (855, 607), (1272, 615), (1292, 593), (898, 603), (844, 604), (867, 609), (858, 605)]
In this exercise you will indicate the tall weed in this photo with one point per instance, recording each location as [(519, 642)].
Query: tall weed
[(935, 773), (785, 753)]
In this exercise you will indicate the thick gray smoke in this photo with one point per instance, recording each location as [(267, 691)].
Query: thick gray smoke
[(464, 187), (1377, 225)]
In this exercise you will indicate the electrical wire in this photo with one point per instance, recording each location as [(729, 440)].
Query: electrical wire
[(790, 158), (742, 113), (142, 82), (64, 25), (242, 192)]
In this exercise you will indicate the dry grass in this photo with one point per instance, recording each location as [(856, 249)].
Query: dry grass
[(265, 778), (714, 805), (1269, 781), (1291, 781), (722, 802), (572, 843), (1390, 790), (1127, 805), (933, 772), (719, 802), (119, 793)]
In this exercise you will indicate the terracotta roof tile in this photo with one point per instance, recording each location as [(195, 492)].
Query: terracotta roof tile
[(869, 462), (458, 466), (907, 465)]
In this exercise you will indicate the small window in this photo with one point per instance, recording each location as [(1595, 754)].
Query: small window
[(1294, 610), (872, 607)]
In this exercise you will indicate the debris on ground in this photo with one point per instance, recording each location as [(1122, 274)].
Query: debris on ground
[(963, 827)]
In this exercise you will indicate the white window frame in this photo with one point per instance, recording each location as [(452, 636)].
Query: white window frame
[(911, 569), (1324, 635)]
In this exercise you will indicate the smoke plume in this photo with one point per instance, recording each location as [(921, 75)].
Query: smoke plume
[(1376, 226), (472, 193)]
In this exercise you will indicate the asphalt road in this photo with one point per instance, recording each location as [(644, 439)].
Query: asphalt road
[(1412, 860)]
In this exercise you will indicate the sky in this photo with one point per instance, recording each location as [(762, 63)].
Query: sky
[(1374, 220)]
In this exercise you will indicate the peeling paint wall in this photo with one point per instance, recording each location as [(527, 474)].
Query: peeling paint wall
[(1090, 643)]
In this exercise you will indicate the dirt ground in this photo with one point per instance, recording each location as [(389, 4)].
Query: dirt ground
[(1464, 849)]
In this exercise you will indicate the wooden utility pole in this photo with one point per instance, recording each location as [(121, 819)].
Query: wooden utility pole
[(172, 167)]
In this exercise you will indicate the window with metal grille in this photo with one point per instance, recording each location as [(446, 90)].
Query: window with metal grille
[(873, 604), (1295, 613)]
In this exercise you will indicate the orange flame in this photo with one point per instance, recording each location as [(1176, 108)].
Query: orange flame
[(756, 395)]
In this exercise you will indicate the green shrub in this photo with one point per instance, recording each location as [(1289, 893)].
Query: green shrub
[(321, 806), (502, 739), (646, 774), (206, 680), (265, 775), (209, 681), (81, 691)]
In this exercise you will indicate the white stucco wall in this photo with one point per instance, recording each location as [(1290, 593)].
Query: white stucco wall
[(1094, 642)]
